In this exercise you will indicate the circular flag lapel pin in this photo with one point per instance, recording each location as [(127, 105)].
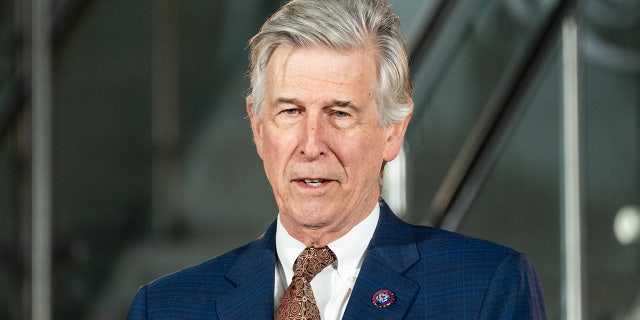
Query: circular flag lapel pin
[(383, 298)]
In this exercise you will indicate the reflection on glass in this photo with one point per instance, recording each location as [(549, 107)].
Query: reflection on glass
[(480, 45)]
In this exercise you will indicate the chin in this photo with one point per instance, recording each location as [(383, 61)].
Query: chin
[(313, 219), (313, 222), (313, 225)]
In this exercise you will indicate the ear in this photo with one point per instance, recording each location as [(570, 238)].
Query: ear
[(395, 137), (255, 125)]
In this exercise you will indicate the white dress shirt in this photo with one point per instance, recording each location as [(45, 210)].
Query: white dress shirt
[(335, 283)]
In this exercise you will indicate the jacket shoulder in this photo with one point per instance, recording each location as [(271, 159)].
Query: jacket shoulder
[(494, 281), (187, 293), (441, 242), (207, 274)]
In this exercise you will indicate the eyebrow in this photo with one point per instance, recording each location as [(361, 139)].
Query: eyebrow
[(293, 101), (339, 103), (336, 103)]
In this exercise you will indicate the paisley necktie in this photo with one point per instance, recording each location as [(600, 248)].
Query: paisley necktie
[(298, 301)]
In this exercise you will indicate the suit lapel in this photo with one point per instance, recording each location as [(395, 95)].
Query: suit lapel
[(391, 252), (253, 274)]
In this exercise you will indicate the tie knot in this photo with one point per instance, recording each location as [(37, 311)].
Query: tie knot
[(312, 260)]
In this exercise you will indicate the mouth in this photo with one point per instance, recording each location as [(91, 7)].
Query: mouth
[(312, 182)]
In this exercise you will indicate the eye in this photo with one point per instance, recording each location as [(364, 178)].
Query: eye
[(340, 114), (290, 111)]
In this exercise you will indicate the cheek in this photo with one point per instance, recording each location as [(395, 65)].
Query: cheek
[(362, 156), (276, 150)]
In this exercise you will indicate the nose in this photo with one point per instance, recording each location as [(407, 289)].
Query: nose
[(313, 144)]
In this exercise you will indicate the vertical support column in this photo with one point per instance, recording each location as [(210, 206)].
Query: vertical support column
[(395, 184), (41, 260), (165, 113), (572, 211)]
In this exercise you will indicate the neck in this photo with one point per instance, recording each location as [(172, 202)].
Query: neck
[(321, 236)]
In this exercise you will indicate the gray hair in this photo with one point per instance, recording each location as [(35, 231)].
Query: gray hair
[(339, 25)]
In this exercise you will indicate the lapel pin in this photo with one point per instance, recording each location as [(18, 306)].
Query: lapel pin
[(383, 298)]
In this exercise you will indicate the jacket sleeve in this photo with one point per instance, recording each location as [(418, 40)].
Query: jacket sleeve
[(514, 291), (138, 309)]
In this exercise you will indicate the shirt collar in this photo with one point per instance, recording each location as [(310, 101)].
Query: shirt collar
[(349, 249)]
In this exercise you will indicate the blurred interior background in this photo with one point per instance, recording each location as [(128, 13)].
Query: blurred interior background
[(125, 153)]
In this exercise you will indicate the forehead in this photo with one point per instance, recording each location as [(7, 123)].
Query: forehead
[(317, 69)]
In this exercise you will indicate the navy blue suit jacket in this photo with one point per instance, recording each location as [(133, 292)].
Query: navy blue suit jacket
[(434, 274)]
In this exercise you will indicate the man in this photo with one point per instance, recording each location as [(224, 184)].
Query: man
[(329, 106)]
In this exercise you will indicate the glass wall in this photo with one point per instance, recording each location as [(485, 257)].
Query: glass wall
[(610, 98), (512, 193), (511, 189)]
